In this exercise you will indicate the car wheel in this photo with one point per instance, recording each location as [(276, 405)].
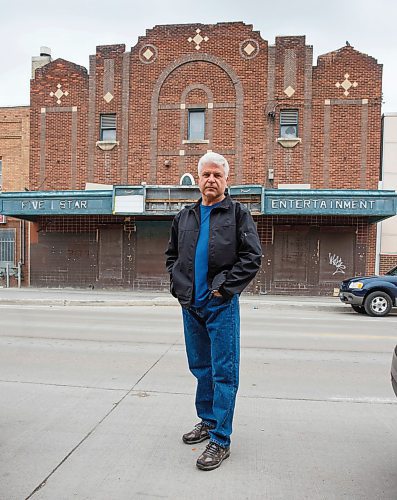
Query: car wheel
[(359, 309), (378, 304)]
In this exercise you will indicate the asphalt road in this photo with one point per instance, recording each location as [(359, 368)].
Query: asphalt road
[(94, 401)]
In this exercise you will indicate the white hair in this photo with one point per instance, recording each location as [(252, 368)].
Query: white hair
[(213, 158)]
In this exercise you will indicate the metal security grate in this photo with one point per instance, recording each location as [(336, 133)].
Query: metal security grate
[(289, 117), (108, 121), (7, 247)]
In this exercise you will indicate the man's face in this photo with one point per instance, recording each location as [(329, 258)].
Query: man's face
[(212, 183)]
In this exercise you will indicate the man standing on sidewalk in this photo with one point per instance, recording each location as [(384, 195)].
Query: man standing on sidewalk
[(213, 253)]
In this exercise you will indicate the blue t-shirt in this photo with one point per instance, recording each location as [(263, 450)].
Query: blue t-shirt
[(201, 292)]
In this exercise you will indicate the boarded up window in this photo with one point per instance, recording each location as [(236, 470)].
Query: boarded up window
[(290, 253), (110, 256), (336, 253), (152, 241)]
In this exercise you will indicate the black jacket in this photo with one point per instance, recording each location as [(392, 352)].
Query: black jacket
[(234, 250)]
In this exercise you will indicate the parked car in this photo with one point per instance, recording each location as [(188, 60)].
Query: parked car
[(394, 371), (373, 295)]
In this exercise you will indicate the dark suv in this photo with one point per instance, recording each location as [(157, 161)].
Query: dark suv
[(373, 295)]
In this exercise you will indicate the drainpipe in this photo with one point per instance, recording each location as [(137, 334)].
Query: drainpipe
[(28, 252), (8, 275), (378, 246), (380, 187), (19, 274)]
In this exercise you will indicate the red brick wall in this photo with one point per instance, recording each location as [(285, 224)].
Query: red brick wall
[(14, 147), (21, 253), (14, 153), (340, 140), (387, 262), (58, 153), (354, 130)]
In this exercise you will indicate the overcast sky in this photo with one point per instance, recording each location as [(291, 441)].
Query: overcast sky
[(73, 28)]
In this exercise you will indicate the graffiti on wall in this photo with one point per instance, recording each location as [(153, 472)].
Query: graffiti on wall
[(336, 261)]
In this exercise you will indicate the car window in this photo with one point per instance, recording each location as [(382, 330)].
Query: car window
[(392, 272)]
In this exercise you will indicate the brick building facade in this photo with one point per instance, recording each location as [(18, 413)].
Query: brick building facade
[(303, 143), (14, 176)]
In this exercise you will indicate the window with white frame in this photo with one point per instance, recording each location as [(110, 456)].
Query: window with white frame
[(108, 128), (196, 125), (7, 247), (187, 180), (289, 123)]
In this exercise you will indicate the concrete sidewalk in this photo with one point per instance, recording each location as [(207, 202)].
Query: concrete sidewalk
[(94, 401), (111, 298)]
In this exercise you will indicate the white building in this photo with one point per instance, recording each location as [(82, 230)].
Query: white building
[(387, 230)]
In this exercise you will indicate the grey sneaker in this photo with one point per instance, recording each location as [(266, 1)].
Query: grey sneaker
[(212, 457), (197, 435)]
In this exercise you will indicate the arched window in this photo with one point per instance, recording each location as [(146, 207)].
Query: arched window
[(187, 180)]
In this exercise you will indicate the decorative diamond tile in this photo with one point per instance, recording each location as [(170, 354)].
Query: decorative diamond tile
[(346, 84), (289, 91), (59, 93), (198, 39), (108, 97), (249, 49), (148, 54)]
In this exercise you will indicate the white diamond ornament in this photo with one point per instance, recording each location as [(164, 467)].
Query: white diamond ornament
[(108, 97), (249, 49), (289, 91), (148, 54), (346, 84), (198, 39)]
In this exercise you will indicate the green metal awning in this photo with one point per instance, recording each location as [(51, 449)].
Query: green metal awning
[(168, 200), (376, 205)]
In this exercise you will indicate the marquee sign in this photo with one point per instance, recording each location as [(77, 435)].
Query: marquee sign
[(168, 200), (327, 202), (56, 203)]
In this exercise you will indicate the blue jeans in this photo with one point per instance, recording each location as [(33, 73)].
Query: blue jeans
[(212, 337)]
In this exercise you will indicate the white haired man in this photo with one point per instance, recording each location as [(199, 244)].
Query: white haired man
[(213, 253)]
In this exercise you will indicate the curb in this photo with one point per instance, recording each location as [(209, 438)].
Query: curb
[(164, 302)]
